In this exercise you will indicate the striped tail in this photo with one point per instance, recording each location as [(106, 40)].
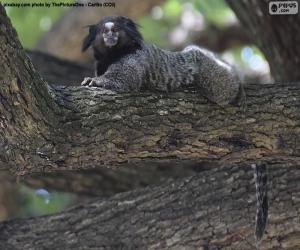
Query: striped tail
[(260, 177)]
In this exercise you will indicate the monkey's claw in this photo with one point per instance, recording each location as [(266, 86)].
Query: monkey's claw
[(92, 82), (86, 81)]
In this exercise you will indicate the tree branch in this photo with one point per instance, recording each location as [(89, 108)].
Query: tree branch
[(100, 128), (212, 210)]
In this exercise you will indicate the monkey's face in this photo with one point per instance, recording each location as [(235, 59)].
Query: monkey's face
[(113, 33), (110, 34)]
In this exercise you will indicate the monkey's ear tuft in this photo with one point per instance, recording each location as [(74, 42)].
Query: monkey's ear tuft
[(131, 29), (87, 41)]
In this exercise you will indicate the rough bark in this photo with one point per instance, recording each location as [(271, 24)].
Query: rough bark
[(212, 210), (277, 36), (97, 128), (24, 97)]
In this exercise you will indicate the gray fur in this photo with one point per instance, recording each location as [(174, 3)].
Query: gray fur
[(155, 69)]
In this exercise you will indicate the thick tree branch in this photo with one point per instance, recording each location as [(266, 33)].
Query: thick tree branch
[(100, 128), (212, 210)]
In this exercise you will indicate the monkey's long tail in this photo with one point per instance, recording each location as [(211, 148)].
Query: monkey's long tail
[(260, 177)]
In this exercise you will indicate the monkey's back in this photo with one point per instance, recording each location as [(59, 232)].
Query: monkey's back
[(166, 70), (194, 66)]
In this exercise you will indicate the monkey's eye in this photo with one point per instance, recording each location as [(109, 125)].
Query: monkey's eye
[(105, 30), (114, 29)]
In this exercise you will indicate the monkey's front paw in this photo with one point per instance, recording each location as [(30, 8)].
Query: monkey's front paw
[(92, 82), (86, 81)]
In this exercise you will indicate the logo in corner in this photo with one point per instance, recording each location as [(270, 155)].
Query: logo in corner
[(283, 7)]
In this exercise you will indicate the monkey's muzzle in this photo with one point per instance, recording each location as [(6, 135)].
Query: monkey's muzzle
[(110, 39)]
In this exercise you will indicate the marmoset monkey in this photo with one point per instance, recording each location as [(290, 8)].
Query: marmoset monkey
[(124, 62)]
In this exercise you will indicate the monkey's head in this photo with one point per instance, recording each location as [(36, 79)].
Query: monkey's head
[(112, 32)]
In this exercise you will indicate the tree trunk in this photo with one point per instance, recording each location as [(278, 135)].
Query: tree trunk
[(212, 210), (24, 98), (277, 36)]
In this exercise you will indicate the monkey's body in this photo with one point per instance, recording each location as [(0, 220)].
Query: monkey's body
[(135, 65)]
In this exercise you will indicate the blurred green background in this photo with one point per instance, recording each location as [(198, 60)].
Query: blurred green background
[(30, 23)]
